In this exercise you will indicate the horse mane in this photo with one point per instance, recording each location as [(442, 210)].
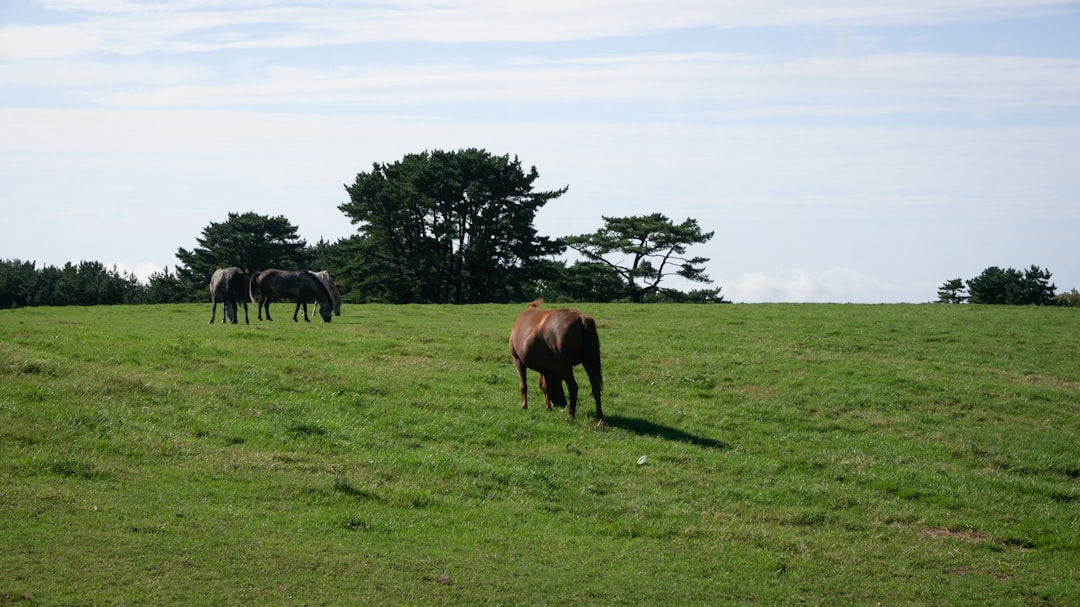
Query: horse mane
[(326, 292)]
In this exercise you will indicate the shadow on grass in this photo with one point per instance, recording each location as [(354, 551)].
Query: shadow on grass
[(644, 427)]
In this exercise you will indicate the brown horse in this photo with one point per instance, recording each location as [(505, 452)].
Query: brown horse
[(551, 342), (229, 285), (302, 285)]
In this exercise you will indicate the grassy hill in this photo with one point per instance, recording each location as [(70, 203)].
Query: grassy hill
[(777, 454)]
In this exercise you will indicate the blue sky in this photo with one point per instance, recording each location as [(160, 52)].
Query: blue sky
[(844, 151)]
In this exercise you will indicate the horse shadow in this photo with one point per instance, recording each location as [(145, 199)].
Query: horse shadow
[(644, 427)]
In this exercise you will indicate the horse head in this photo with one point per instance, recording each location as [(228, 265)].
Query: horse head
[(326, 301), (326, 312)]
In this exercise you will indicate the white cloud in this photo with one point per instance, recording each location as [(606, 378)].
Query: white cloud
[(732, 86), (74, 75), (142, 271), (131, 28), (837, 285)]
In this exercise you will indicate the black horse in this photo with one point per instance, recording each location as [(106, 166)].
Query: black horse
[(301, 285), (229, 285)]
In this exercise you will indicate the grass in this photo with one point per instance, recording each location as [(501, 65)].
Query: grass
[(777, 454)]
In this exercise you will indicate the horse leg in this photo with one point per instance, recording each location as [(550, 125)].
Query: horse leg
[(266, 303), (245, 313), (543, 384), (213, 312), (520, 367), (595, 385), (553, 391), (296, 312), (572, 389)]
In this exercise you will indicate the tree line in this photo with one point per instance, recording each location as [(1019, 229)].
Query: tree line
[(87, 283), (452, 227), (1030, 287), (435, 227)]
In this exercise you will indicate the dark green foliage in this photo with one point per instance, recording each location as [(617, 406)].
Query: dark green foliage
[(168, 288), (17, 283), (1004, 287), (324, 255), (87, 283), (584, 281), (1012, 287), (695, 296), (655, 247), (447, 227), (952, 292)]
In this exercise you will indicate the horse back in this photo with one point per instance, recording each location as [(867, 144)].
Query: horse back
[(237, 284), (303, 285), (215, 284), (228, 282), (549, 340)]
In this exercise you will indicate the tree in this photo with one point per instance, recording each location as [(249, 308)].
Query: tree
[(87, 283), (333, 257), (447, 227), (1069, 300), (952, 292), (644, 240), (18, 280), (1037, 289), (583, 281), (165, 288), (1012, 287), (695, 296), (248, 241), (994, 286)]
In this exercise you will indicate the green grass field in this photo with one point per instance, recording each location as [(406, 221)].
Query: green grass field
[(768, 454)]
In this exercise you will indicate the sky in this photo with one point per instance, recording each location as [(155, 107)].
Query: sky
[(861, 151)]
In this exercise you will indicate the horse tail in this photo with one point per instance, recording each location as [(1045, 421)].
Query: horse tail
[(590, 359), (251, 287), (590, 353)]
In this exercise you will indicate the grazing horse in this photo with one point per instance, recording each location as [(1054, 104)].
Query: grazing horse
[(230, 286), (301, 285), (551, 342), (331, 287)]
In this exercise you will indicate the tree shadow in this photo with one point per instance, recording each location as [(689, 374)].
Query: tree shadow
[(644, 427)]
